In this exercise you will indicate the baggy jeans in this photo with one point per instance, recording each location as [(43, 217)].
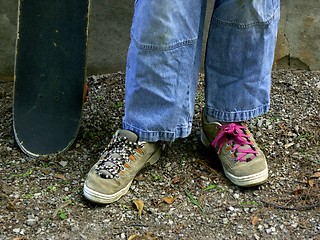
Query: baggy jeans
[(164, 58)]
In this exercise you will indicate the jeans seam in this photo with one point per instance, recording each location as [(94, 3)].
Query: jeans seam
[(162, 135), (246, 114), (247, 25), (163, 48)]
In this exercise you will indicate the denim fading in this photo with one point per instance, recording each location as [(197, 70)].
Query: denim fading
[(164, 59)]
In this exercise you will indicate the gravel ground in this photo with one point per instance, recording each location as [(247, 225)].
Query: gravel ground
[(185, 195)]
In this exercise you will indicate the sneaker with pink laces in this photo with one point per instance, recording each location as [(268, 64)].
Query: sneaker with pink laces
[(242, 160)]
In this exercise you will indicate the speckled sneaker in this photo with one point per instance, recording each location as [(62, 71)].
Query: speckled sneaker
[(242, 160), (111, 177)]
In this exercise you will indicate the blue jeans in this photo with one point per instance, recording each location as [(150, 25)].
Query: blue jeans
[(164, 59)]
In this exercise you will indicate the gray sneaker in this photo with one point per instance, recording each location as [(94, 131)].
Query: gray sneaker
[(242, 160), (111, 177)]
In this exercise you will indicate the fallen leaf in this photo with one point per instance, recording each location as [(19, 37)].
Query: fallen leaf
[(21, 238), (311, 183), (315, 175), (169, 200), (139, 204), (149, 236), (132, 237), (46, 171), (11, 205), (297, 191), (175, 180), (139, 178), (254, 219), (61, 177)]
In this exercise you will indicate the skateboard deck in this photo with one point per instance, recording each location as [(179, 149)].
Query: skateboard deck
[(50, 74)]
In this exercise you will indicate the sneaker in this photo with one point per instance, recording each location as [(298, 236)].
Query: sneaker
[(242, 160), (111, 177)]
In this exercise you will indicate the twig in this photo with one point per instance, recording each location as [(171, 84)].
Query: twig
[(63, 205), (306, 207), (136, 225)]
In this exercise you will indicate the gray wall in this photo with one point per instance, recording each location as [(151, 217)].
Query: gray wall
[(297, 48)]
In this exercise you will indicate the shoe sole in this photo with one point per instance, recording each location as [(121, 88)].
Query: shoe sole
[(98, 197), (245, 181), (250, 180)]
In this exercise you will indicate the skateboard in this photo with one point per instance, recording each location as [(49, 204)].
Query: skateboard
[(50, 74)]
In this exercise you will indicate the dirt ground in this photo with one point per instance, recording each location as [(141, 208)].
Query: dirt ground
[(185, 195)]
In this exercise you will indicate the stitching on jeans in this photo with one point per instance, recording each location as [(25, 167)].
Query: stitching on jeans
[(163, 47), (275, 15)]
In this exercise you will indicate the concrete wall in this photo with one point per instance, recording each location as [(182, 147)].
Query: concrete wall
[(297, 48), (298, 45)]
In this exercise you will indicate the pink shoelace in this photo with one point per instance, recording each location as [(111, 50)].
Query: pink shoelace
[(237, 140)]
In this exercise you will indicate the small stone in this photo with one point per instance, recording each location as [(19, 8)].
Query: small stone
[(260, 227), (168, 164), (236, 195), (63, 163), (268, 231), (75, 229), (204, 178), (65, 236), (31, 222), (36, 195), (256, 237), (16, 230), (231, 208)]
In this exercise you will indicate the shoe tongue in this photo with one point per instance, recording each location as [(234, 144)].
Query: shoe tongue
[(132, 137)]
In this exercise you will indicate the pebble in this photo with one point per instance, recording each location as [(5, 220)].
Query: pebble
[(36, 195), (75, 229), (270, 230), (31, 221), (236, 195), (63, 163), (231, 208), (256, 237), (225, 220)]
